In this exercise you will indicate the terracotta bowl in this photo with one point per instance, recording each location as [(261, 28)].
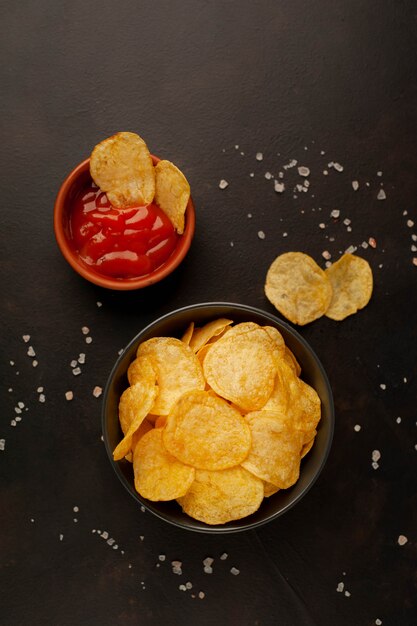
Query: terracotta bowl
[(76, 180), (173, 325)]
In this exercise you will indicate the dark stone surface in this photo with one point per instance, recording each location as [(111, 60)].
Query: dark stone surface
[(194, 78)]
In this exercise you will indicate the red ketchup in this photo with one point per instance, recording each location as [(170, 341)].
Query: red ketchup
[(121, 243)]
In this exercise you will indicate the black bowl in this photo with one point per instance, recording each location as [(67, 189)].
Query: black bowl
[(173, 325)]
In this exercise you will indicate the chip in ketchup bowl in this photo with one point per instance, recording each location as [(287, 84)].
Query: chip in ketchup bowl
[(119, 247)]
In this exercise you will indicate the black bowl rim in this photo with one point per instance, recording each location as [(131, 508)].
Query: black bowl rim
[(219, 529)]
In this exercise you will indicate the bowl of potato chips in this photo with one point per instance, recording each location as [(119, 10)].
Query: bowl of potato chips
[(218, 417), (124, 219)]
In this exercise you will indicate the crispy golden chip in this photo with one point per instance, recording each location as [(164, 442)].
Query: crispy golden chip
[(352, 283), (220, 497), (186, 338), (269, 489), (135, 403), (277, 339), (201, 354), (308, 445), (290, 359), (141, 369), (276, 447), (280, 397), (241, 366), (158, 475), (172, 193), (144, 428), (202, 336), (161, 421), (202, 430), (177, 370), (298, 288), (122, 167), (304, 406)]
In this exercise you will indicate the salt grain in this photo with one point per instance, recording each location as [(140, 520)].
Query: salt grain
[(2, 444), (85, 330), (364, 245), (378, 622), (104, 534), (61, 537), (34, 364), (26, 338), (372, 242), (76, 371), (268, 175), (357, 428), (39, 390), (398, 420), (402, 540), (335, 213), (414, 237), (42, 397), (162, 557), (340, 587), (69, 395), (326, 254), (249, 215), (99, 304), (31, 352), (376, 455), (337, 167), (259, 156), (251, 174), (381, 195), (347, 594), (279, 187), (88, 339), (303, 171), (223, 184), (415, 260), (383, 386), (261, 234), (201, 595), (322, 225), (97, 391), (74, 363), (410, 223), (291, 164), (81, 358), (223, 556), (234, 571), (355, 185)]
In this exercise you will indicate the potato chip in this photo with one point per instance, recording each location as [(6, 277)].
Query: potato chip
[(161, 421), (135, 403), (304, 406), (158, 475), (177, 370), (201, 336), (290, 360), (220, 497), (144, 428), (202, 430), (172, 193), (276, 447), (141, 369), (280, 397), (122, 167), (186, 338), (241, 366), (298, 288), (269, 489), (352, 283)]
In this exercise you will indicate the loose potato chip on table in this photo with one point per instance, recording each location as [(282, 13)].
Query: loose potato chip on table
[(218, 497), (298, 287), (202, 430), (122, 167), (275, 453), (172, 193), (158, 475), (241, 366), (177, 370), (352, 283)]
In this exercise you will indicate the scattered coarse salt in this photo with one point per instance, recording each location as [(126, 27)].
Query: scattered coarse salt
[(88, 339), (325, 172), (176, 567), (237, 147), (13, 423), (376, 455), (234, 571), (223, 556), (378, 622), (85, 330), (340, 587), (322, 226), (61, 537), (11, 363), (76, 371), (379, 173), (75, 509), (75, 520), (364, 245), (355, 185), (74, 363), (208, 569), (26, 338), (404, 379), (357, 428), (110, 542), (81, 358), (39, 390), (290, 164), (335, 213), (162, 557), (402, 540), (182, 587), (398, 420), (34, 363), (31, 352), (350, 250), (328, 263), (104, 534), (405, 212), (372, 242), (259, 156), (69, 395), (261, 234), (249, 215), (410, 223), (18, 410), (347, 594), (303, 171), (189, 585), (326, 254), (337, 167), (252, 174), (201, 595), (207, 565), (415, 260), (141, 537), (381, 195), (142, 508), (223, 184), (42, 397), (347, 221), (268, 175), (413, 248), (414, 237), (2, 444), (279, 187), (97, 391), (242, 153), (383, 386), (99, 304)]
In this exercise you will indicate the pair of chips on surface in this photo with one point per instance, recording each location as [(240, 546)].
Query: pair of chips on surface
[(217, 420), (303, 292), (123, 168)]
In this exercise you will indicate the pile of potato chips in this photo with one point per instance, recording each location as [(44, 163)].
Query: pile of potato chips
[(122, 167), (217, 420), (303, 292)]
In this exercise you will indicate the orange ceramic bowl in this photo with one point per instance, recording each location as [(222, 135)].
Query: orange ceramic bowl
[(76, 180)]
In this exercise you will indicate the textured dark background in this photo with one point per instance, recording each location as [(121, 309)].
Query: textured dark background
[(195, 79)]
